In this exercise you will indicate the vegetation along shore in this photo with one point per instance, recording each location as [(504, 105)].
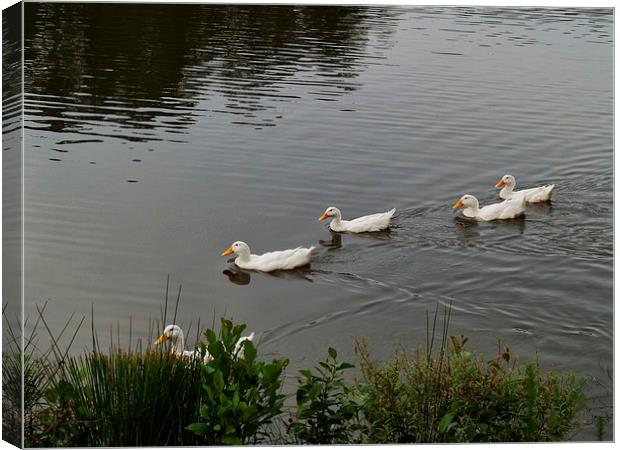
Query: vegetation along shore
[(148, 395)]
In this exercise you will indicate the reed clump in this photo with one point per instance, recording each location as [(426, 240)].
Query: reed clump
[(122, 399)]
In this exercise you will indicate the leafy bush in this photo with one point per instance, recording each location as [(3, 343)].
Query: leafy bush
[(457, 397), (241, 395), (327, 410)]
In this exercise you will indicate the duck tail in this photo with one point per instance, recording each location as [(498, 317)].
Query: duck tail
[(391, 212)]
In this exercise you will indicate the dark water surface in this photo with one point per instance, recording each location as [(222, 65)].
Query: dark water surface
[(157, 135)]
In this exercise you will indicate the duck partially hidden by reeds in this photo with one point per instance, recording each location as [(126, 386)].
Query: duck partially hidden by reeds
[(174, 334)]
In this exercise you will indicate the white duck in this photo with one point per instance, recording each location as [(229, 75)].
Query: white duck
[(373, 222), (533, 195), (268, 262), (174, 334), (508, 209)]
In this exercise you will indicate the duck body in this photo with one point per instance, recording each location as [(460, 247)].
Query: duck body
[(364, 224), (508, 209), (174, 334), (239, 344), (533, 195), (268, 262)]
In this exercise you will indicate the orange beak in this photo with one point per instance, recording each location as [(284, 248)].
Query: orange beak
[(458, 204), (323, 217), (161, 339), (228, 251), (500, 183)]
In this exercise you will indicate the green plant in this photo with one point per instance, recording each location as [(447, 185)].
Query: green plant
[(499, 401), (454, 396), (116, 398), (123, 399), (29, 373), (327, 410), (241, 394)]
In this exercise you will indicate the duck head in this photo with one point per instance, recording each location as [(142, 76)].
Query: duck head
[(467, 201), (239, 248), (507, 180), (333, 212), (174, 334)]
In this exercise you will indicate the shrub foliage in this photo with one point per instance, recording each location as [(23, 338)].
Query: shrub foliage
[(327, 410), (455, 396), (241, 395)]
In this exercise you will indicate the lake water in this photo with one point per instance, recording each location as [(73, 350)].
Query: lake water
[(157, 135)]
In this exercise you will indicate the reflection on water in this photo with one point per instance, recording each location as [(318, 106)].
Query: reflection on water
[(470, 231), (237, 276), (542, 208), (243, 277), (141, 69), (334, 243)]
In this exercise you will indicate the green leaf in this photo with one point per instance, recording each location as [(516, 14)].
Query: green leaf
[(302, 393), (332, 352), (204, 411), (231, 440), (210, 335), (226, 328), (218, 381), (235, 400), (306, 373), (238, 329), (445, 422), (198, 428), (249, 351), (345, 365), (325, 366)]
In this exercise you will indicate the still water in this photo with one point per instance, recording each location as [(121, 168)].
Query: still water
[(157, 135)]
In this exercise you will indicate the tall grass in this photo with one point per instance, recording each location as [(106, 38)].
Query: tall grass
[(12, 387), (23, 397), (124, 399)]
